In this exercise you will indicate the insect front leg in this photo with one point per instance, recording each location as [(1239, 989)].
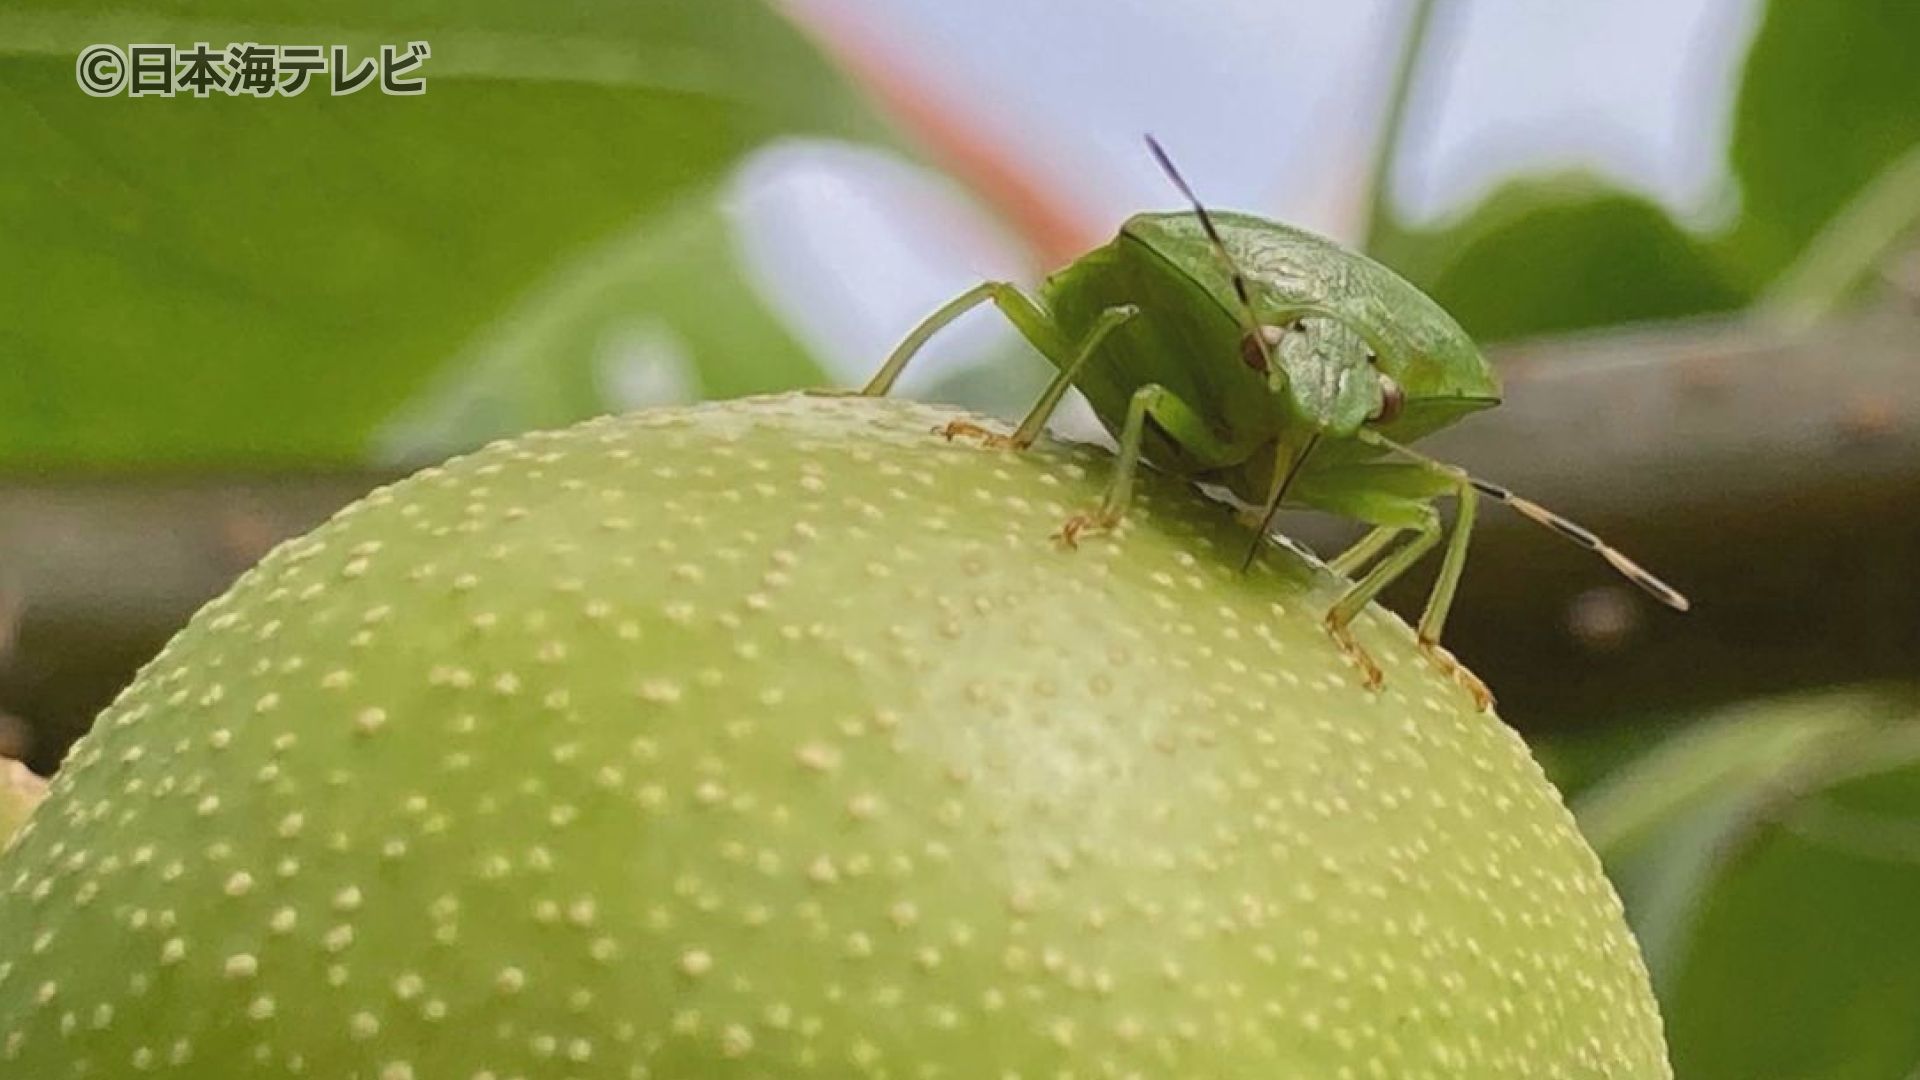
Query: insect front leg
[(1364, 550), (1423, 481), (1452, 565), (1396, 498), (1361, 593), (1181, 423)]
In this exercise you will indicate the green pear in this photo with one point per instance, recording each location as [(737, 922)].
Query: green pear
[(777, 738)]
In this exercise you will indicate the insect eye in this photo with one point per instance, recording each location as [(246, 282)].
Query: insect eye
[(1250, 351), (1392, 399)]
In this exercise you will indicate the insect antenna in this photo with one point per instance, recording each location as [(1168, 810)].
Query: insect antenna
[(1540, 515), (1248, 319), (1273, 504), (1579, 534)]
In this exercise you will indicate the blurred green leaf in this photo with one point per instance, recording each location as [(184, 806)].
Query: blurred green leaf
[(1660, 821), (1770, 863), (610, 331), (1846, 256), (1829, 100), (226, 280), (1557, 253)]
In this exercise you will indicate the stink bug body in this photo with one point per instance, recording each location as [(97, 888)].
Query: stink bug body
[(1261, 358)]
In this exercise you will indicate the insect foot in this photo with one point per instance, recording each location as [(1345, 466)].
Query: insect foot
[(1370, 673), (1446, 662), (1081, 524), (955, 429)]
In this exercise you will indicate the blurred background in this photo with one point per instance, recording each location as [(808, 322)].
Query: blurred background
[(1688, 231)]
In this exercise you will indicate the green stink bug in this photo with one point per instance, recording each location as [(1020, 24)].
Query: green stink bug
[(1280, 366)]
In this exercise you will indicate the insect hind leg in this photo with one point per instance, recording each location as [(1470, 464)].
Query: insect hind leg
[(1026, 315)]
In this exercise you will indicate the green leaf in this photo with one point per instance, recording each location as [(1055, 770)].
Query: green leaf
[(1557, 253), (609, 331), (225, 280), (1830, 99), (1849, 252), (1770, 864)]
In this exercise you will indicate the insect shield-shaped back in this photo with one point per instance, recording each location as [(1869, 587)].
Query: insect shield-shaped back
[(1293, 276)]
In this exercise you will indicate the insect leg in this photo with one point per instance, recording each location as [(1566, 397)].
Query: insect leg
[(1036, 420), (1364, 550), (1361, 593), (1180, 422), (1452, 564), (1026, 316), (889, 372)]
